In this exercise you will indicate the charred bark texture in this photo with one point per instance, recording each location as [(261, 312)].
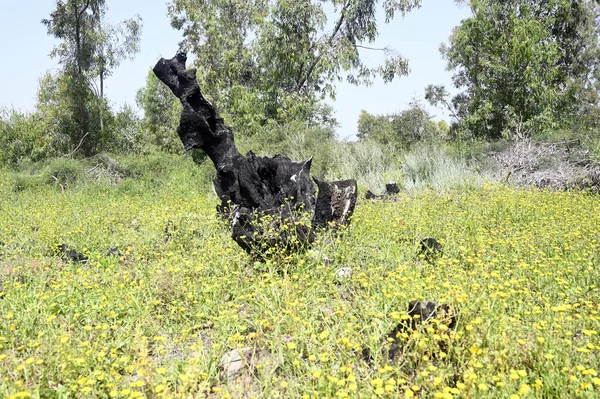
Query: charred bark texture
[(255, 190)]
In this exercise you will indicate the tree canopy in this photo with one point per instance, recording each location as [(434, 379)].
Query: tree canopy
[(523, 65), (276, 60), (401, 129), (88, 50)]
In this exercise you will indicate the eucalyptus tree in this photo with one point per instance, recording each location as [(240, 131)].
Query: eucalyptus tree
[(277, 60), (89, 50), (524, 66)]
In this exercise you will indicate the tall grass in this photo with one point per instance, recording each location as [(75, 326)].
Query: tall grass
[(370, 163), (425, 166)]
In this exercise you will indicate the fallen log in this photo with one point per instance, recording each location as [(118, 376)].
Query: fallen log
[(266, 199)]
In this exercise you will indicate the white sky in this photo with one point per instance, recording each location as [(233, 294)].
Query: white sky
[(26, 46)]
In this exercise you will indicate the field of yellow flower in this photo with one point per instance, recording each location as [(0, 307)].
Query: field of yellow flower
[(520, 268)]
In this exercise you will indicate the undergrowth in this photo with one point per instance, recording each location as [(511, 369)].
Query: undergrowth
[(520, 268)]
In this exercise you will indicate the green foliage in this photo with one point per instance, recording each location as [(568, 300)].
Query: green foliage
[(368, 161), (63, 172), (296, 140), (88, 51), (267, 60), (376, 127), (53, 128), (161, 114), (525, 66), (402, 129), (132, 173), (66, 108), (125, 133), (22, 138)]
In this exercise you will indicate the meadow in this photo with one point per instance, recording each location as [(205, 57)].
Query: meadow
[(520, 270)]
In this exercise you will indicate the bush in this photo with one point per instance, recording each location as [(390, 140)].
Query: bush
[(63, 172), (126, 135), (21, 181), (297, 141), (22, 138)]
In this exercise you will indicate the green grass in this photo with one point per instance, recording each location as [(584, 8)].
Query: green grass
[(519, 267)]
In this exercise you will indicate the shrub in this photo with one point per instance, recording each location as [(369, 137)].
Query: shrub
[(297, 141), (126, 135), (63, 172), (22, 138), (21, 181)]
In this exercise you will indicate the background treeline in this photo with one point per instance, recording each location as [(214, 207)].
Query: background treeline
[(521, 69)]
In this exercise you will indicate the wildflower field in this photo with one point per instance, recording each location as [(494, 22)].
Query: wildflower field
[(519, 269)]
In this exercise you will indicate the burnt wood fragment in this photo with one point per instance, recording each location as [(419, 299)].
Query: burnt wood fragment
[(419, 312), (335, 202), (69, 254), (392, 188), (430, 249)]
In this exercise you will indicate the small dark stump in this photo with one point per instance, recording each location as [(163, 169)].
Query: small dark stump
[(113, 251), (170, 229), (392, 188), (430, 249), (70, 255), (419, 312)]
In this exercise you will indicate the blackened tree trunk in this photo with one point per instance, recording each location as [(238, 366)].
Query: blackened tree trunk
[(255, 190)]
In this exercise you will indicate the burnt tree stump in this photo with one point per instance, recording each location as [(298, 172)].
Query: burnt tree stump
[(255, 190)]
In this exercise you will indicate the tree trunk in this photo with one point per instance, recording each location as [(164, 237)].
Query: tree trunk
[(255, 191), (101, 102)]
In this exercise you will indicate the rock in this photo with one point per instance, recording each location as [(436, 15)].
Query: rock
[(430, 249), (241, 368), (343, 273), (318, 256), (232, 363)]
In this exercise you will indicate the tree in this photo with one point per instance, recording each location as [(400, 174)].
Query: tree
[(375, 127), (161, 113), (401, 129), (88, 51), (277, 60), (523, 65), (115, 44)]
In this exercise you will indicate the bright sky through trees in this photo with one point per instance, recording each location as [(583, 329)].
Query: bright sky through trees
[(26, 47)]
